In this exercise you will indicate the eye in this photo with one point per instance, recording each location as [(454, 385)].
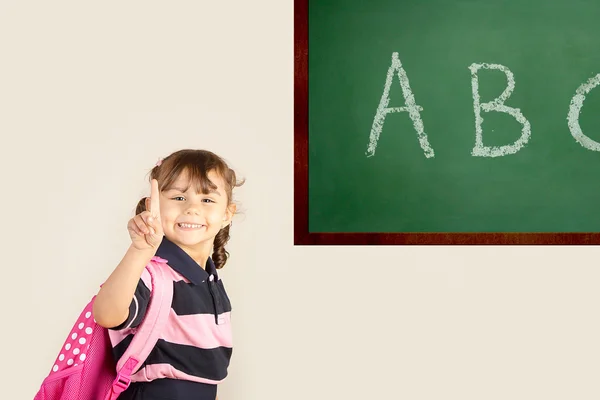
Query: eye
[(179, 198), (208, 200)]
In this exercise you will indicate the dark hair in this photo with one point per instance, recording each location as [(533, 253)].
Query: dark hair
[(198, 163)]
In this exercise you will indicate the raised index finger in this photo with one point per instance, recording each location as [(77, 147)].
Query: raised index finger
[(154, 198)]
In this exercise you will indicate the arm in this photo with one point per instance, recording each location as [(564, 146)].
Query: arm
[(111, 307)]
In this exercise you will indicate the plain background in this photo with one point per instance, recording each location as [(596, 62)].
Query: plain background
[(92, 94)]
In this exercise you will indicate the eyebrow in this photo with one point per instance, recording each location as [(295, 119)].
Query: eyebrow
[(213, 191), (176, 188)]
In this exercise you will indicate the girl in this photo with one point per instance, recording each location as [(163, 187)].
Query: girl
[(186, 219)]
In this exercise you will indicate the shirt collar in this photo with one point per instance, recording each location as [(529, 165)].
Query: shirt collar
[(181, 262)]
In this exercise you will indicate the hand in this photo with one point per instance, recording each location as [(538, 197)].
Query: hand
[(145, 229)]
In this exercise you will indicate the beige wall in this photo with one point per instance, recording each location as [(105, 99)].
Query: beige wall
[(92, 95)]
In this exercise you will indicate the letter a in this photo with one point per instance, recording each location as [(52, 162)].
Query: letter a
[(383, 110), (496, 105)]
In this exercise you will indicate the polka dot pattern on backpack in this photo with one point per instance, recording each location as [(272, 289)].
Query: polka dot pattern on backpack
[(75, 348)]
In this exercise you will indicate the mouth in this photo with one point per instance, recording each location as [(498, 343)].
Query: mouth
[(187, 226)]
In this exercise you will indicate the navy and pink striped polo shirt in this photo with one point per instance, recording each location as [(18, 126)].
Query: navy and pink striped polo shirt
[(196, 344)]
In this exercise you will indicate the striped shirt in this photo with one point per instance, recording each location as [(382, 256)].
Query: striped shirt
[(196, 344)]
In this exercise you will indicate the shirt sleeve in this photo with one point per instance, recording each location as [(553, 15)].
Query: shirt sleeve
[(139, 303)]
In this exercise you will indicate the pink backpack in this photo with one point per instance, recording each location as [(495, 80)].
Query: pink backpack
[(85, 368)]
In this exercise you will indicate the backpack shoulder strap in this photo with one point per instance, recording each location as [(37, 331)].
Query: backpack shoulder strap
[(150, 328)]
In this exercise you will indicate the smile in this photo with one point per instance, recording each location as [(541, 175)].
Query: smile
[(190, 226)]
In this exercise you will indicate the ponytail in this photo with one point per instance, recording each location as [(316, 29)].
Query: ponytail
[(141, 206), (220, 255)]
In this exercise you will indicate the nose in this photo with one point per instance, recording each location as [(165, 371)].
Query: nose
[(192, 210), (192, 207)]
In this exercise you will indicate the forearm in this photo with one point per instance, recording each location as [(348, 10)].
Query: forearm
[(111, 306)]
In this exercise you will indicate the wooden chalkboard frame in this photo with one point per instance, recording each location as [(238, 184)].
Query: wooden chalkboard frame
[(302, 236)]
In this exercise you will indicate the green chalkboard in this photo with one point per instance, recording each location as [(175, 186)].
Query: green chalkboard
[(449, 116)]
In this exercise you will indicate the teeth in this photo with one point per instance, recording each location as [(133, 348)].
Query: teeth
[(190, 225)]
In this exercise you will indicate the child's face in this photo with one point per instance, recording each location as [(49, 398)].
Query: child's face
[(191, 219)]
